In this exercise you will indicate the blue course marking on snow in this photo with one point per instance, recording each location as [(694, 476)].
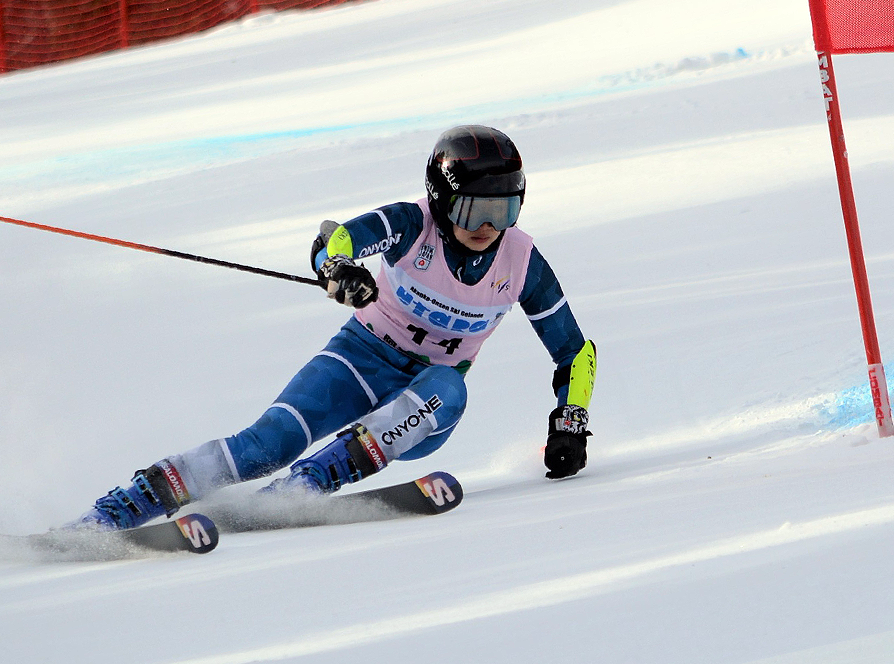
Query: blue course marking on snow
[(122, 165), (639, 79), (849, 408)]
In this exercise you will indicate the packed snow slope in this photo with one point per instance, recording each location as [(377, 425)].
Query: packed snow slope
[(738, 505)]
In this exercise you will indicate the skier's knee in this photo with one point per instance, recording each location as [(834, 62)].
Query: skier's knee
[(448, 389)]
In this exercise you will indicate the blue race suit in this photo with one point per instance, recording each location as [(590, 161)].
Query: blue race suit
[(358, 373)]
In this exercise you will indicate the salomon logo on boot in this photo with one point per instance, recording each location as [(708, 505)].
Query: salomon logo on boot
[(157, 491)]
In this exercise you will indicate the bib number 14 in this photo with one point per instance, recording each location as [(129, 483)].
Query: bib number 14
[(419, 334)]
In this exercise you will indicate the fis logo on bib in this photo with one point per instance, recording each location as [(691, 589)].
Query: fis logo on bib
[(500, 285), (424, 257)]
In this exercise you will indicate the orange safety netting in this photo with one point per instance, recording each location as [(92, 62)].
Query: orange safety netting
[(36, 32)]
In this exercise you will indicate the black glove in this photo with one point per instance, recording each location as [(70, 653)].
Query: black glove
[(347, 282), (566, 444)]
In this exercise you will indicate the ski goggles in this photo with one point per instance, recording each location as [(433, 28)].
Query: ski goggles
[(471, 212)]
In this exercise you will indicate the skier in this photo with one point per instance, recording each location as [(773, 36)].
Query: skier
[(453, 265)]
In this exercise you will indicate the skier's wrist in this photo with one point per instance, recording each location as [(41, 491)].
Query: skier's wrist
[(346, 282)]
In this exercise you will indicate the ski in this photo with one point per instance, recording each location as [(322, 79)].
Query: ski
[(433, 494), (194, 533)]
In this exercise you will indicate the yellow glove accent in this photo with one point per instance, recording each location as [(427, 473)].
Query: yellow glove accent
[(583, 376)]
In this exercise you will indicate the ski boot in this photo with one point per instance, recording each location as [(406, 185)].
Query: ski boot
[(156, 491), (355, 454)]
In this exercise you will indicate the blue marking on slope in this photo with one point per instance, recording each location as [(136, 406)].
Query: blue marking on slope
[(162, 159), (850, 408)]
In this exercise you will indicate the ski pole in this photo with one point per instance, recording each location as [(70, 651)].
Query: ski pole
[(163, 252)]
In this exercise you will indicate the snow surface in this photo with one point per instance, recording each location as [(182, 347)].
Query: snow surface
[(738, 506)]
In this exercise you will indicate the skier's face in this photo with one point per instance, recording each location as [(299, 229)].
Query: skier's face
[(477, 240)]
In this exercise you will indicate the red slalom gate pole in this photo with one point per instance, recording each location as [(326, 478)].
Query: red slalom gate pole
[(163, 252), (877, 382)]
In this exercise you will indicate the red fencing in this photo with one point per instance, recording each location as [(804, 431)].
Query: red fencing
[(36, 32)]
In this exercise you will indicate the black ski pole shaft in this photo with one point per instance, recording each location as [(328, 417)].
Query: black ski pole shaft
[(163, 252)]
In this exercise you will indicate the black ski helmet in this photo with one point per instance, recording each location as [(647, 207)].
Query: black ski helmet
[(469, 161)]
